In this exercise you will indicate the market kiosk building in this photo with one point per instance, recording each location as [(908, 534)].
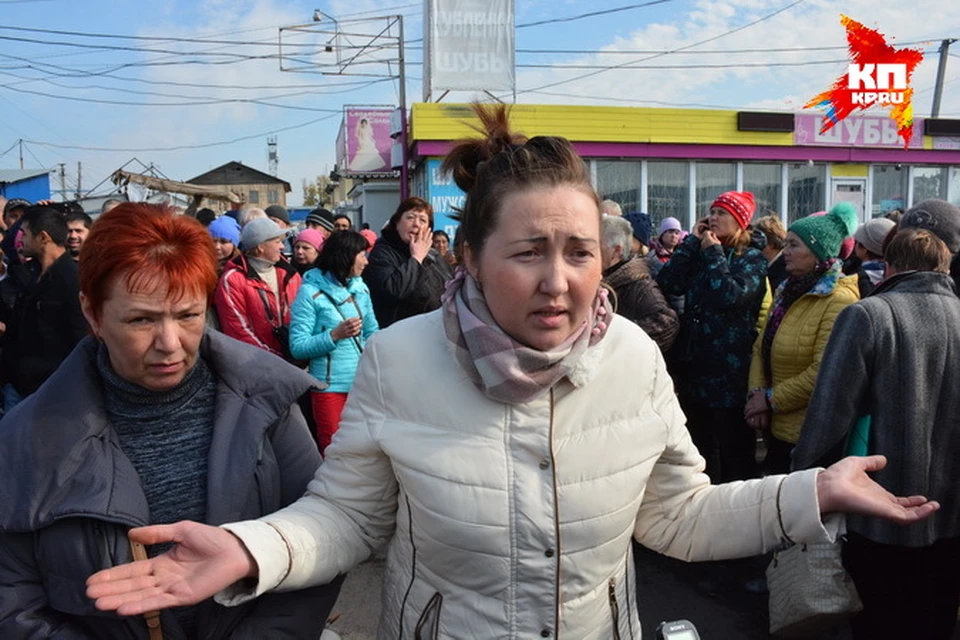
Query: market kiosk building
[(674, 162)]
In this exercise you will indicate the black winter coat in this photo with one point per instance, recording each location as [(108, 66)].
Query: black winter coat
[(401, 287), (70, 495), (44, 327)]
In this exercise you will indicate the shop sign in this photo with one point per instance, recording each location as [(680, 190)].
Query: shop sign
[(946, 144), (855, 131)]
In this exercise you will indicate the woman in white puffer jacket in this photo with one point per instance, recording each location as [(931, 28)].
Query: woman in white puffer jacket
[(507, 446)]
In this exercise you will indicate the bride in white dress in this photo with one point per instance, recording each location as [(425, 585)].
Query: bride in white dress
[(368, 157)]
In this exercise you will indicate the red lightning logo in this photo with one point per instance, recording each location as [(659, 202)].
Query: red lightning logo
[(879, 76)]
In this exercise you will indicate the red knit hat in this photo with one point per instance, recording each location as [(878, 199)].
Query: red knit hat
[(739, 204)]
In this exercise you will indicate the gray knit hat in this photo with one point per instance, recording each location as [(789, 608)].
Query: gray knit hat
[(258, 231), (873, 232), (939, 217), (278, 212)]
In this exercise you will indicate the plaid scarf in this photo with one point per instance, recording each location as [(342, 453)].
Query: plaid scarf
[(502, 368), (791, 290)]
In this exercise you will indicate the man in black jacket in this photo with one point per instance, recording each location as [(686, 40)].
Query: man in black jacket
[(46, 323)]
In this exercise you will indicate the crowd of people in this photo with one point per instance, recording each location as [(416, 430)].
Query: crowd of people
[(257, 408)]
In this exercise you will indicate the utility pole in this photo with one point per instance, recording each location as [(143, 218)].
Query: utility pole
[(941, 72), (63, 181), (402, 90), (21, 154), (79, 180)]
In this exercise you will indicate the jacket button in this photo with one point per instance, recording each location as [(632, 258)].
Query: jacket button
[(545, 633), (548, 553), (544, 464)]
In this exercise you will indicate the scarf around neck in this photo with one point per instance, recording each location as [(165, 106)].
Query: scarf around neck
[(791, 290), (500, 367)]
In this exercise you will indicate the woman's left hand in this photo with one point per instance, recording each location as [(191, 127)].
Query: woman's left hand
[(756, 405), (846, 487)]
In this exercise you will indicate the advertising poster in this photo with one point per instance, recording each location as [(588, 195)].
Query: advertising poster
[(469, 45), (367, 141)]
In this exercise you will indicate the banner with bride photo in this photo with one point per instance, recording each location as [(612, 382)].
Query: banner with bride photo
[(365, 142)]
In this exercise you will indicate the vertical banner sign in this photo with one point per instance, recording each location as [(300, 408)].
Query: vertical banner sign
[(367, 141), (444, 196), (469, 46)]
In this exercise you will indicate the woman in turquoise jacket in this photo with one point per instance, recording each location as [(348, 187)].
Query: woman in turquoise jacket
[(331, 319)]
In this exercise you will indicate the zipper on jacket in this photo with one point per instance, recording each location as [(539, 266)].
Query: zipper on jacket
[(556, 518), (626, 581), (614, 608), (413, 568)]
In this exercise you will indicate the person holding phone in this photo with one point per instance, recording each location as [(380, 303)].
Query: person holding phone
[(723, 280)]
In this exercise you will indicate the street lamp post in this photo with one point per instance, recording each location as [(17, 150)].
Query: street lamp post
[(342, 66)]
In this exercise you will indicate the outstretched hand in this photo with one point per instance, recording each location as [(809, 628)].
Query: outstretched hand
[(204, 561), (845, 486)]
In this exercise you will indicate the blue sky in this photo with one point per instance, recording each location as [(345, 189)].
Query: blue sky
[(103, 107)]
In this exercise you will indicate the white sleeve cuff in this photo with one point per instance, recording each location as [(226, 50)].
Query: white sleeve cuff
[(799, 510), (272, 555)]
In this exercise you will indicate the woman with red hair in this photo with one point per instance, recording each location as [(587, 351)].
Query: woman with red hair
[(152, 419)]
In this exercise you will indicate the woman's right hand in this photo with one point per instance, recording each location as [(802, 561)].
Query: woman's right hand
[(204, 561), (347, 329), (702, 225), (421, 244)]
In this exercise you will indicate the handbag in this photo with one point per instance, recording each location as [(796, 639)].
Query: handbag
[(810, 591)]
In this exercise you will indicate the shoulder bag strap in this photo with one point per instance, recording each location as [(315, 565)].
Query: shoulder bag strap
[(356, 339), (152, 617)]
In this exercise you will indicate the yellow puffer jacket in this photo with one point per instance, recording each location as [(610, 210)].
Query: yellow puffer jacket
[(797, 349)]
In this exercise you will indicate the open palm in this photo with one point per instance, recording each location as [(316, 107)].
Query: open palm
[(204, 561)]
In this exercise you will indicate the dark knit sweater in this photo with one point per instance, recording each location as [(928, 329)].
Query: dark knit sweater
[(166, 435)]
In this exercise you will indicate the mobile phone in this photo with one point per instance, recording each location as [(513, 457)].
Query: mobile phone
[(677, 630)]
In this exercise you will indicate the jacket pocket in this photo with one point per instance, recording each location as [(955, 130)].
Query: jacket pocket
[(428, 625), (614, 608)]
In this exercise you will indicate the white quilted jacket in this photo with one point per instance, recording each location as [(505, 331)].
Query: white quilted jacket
[(514, 521)]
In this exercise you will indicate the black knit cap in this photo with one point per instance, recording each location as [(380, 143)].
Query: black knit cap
[(321, 217)]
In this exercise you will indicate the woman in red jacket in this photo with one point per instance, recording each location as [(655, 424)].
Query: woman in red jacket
[(257, 288)]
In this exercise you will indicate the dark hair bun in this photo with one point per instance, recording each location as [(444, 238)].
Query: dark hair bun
[(466, 159)]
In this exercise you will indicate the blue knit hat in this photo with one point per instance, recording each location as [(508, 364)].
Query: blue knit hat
[(642, 226), (824, 234), (225, 228)]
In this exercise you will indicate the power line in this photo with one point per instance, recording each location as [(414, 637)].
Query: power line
[(191, 103), (356, 86), (743, 65), (12, 147), (592, 14), (685, 47), (696, 53), (636, 101), (185, 147)]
